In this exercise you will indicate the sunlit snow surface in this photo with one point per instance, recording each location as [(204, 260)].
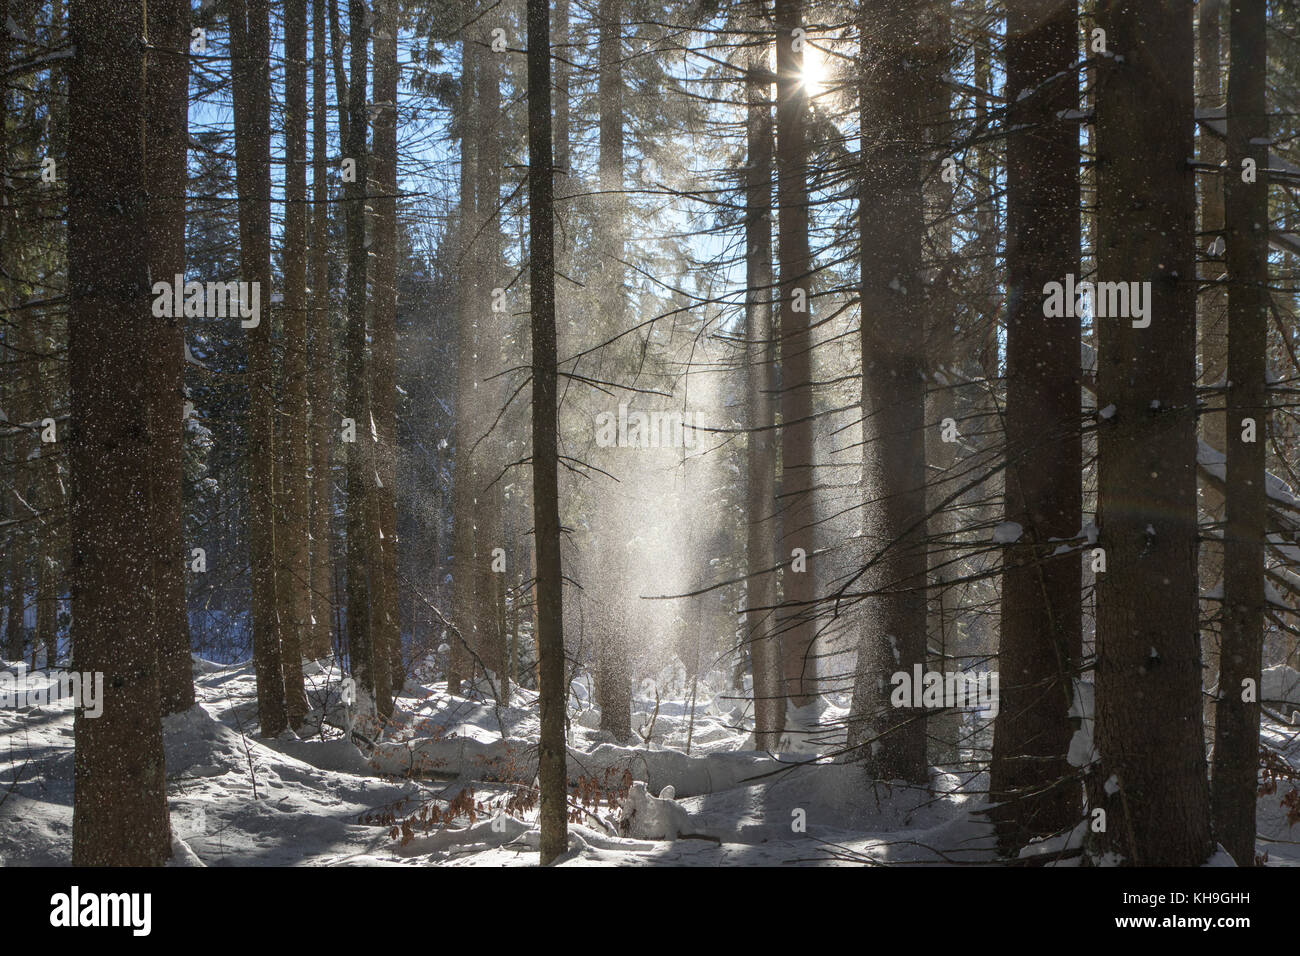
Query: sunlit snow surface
[(237, 800)]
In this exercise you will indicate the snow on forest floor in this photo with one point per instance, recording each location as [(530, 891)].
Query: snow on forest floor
[(237, 800)]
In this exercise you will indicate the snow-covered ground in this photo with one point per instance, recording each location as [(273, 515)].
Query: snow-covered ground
[(451, 783)]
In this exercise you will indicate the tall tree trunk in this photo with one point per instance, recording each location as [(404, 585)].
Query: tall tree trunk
[(1236, 737), (25, 408), (119, 815), (898, 66), (293, 576), (7, 302), (489, 333), (552, 770), (46, 495), (946, 728), (464, 563), (15, 639), (562, 148), (10, 390), (321, 374), (1212, 329), (385, 622), (1041, 638), (168, 138), (361, 649), (987, 240), (47, 567), (1148, 723), (336, 46), (614, 654), (250, 37), (16, 573), (565, 185), (795, 296), (761, 388)]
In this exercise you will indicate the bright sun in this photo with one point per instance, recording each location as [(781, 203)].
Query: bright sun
[(814, 69)]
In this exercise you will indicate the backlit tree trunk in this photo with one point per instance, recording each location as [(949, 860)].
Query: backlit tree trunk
[(360, 460), (250, 46), (1148, 726), (762, 519), (614, 681), (795, 311), (293, 576), (1041, 605), (552, 770), (321, 365), (898, 66)]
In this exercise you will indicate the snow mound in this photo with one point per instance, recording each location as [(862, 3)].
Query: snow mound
[(644, 817), (1280, 684)]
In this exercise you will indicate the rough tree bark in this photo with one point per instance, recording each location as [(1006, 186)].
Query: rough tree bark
[(761, 388), (613, 657), (898, 66), (562, 160), (1236, 736), (119, 815), (794, 257), (385, 621), (320, 381), (14, 403), (945, 730), (552, 753), (492, 329), (1148, 708), (250, 38), (168, 139), (1041, 641), (361, 649), (460, 666), (293, 577)]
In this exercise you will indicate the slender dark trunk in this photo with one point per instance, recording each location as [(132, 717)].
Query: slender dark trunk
[(250, 38), (385, 620), (361, 650), (459, 666), (48, 501), (761, 399), (562, 137), (1041, 639), (795, 296), (1236, 736), (945, 729), (293, 576), (17, 392), (491, 329), (10, 390), (168, 139), (552, 771), (320, 381), (613, 656), (15, 640)]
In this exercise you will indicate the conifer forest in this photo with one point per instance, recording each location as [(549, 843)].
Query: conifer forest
[(691, 433)]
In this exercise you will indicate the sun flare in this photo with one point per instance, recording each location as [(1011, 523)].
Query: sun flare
[(815, 72)]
